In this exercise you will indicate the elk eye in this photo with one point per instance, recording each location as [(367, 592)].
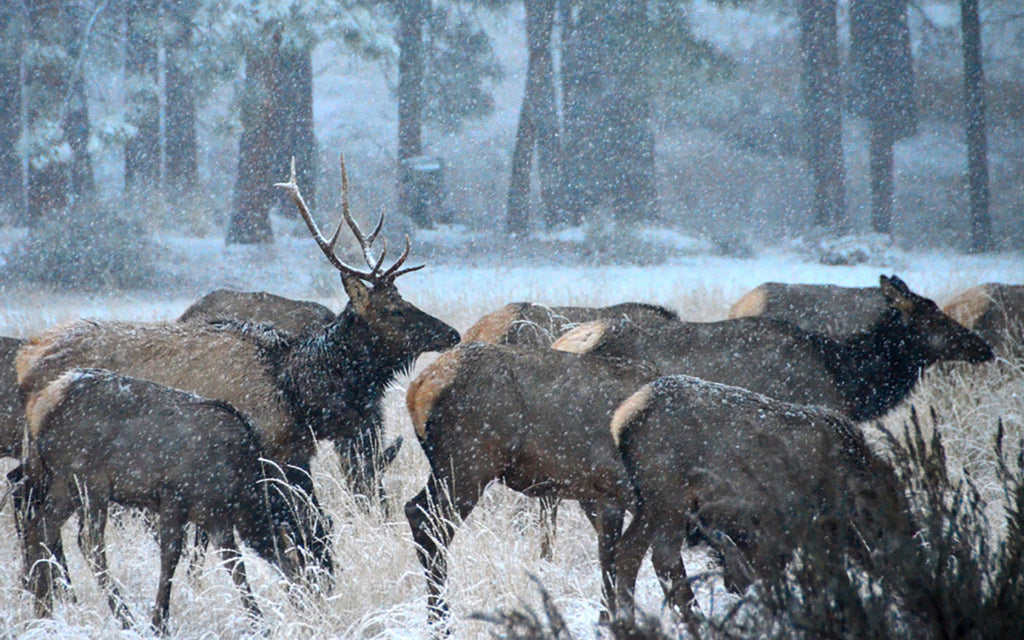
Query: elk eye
[(397, 313)]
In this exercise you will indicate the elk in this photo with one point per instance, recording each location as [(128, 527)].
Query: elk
[(538, 325), (536, 420), (97, 437), (529, 324), (862, 377), (996, 312), (295, 389), (824, 308), (298, 317), (749, 474)]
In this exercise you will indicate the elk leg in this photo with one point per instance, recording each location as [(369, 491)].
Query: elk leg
[(431, 518), (229, 550), (607, 521), (46, 512), (91, 540), (548, 525), (629, 554), (671, 572), (173, 517)]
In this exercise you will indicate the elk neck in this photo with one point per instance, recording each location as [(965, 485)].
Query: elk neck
[(875, 370)]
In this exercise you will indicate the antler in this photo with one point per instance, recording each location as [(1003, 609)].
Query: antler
[(374, 275)]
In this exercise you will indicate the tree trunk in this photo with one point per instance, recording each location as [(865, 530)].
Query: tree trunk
[(977, 141), (258, 162), (608, 106), (141, 56), (880, 169), (411, 63), (76, 125), (821, 101), (538, 125), (12, 175), (181, 160), (46, 88), (299, 138)]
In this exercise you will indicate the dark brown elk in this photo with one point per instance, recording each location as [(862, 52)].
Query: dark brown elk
[(529, 324), (825, 308), (297, 317), (996, 312), (99, 438), (751, 476), (536, 420), (538, 325), (863, 376), (295, 389)]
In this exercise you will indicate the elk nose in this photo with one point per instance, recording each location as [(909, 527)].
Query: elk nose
[(446, 339)]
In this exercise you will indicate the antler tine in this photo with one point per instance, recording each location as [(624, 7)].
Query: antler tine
[(393, 271), (327, 247), (366, 244)]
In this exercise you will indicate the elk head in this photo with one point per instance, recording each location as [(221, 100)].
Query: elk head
[(937, 336)]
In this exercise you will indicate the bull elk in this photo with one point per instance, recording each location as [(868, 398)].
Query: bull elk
[(750, 475), (298, 317), (863, 376), (824, 308), (536, 420), (295, 389), (996, 312), (537, 325), (97, 437)]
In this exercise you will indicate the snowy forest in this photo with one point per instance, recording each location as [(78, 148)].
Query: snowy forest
[(581, 203)]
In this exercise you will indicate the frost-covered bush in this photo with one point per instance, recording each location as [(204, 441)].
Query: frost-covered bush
[(89, 248)]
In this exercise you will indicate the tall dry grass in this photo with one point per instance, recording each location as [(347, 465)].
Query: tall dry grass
[(495, 564)]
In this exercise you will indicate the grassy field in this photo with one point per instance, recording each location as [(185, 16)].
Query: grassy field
[(379, 588)]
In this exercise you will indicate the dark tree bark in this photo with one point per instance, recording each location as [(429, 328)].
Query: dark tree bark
[(883, 91), (608, 106), (181, 159), (46, 90), (821, 102), (258, 162), (977, 140), (12, 175), (538, 125), (77, 125), (141, 56), (411, 63), (298, 137)]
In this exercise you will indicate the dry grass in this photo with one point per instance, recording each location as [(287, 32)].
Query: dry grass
[(379, 588)]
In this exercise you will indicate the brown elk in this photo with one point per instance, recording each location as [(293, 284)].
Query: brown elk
[(298, 317), (750, 475), (295, 389), (538, 325), (863, 376), (823, 308), (996, 312), (536, 420), (98, 437), (529, 324)]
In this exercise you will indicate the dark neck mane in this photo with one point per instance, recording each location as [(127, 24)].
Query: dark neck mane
[(874, 370)]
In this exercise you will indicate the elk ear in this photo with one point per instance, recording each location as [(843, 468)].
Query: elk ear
[(896, 293), (357, 292)]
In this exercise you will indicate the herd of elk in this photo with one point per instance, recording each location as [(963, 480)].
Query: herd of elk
[(99, 437), (295, 389), (622, 408)]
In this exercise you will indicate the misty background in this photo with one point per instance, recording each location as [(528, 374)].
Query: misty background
[(552, 132)]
